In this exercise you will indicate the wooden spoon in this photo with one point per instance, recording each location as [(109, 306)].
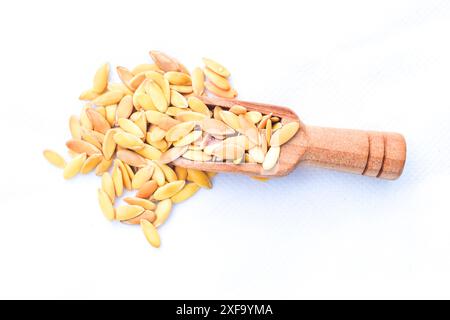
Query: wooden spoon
[(370, 153)]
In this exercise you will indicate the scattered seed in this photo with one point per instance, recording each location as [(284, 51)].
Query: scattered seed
[(131, 158), (126, 212), (162, 211), (100, 81), (90, 163), (106, 205), (218, 80), (74, 166), (54, 158), (216, 67), (142, 176), (168, 190), (148, 215), (199, 177), (150, 232), (108, 186), (144, 203)]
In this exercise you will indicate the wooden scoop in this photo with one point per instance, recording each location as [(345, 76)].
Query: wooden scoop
[(370, 153)]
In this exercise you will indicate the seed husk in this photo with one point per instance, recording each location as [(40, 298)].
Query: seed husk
[(198, 105), (149, 152), (128, 140), (109, 145), (162, 211), (130, 127), (90, 163), (148, 215), (147, 189), (216, 67), (216, 113), (188, 139), (151, 233), (178, 78), (74, 166), (108, 98), (126, 212), (142, 176), (199, 177), (54, 158), (217, 80), (179, 131), (111, 114), (99, 123), (196, 155), (137, 80), (75, 127), (106, 205), (100, 82), (144, 203), (119, 87), (108, 186), (198, 81), (271, 158), (93, 137), (131, 158), (84, 119), (284, 134)]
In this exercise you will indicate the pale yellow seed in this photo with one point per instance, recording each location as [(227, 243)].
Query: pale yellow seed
[(162, 82), (117, 179), (161, 145), (254, 116), (216, 67), (148, 215), (119, 87), (92, 137), (91, 163), (106, 205), (131, 158), (216, 127), (84, 119), (125, 212), (177, 99), (150, 232), (190, 116), (230, 119), (128, 140), (108, 98), (158, 176), (109, 145), (130, 127), (137, 80), (229, 151), (237, 109), (271, 158), (157, 95), (100, 110), (199, 177), (74, 166), (155, 133), (182, 89), (217, 110), (144, 203), (103, 166), (179, 131), (144, 68), (149, 152), (249, 129), (257, 154), (140, 120), (163, 209), (88, 95), (188, 191), (125, 107), (169, 190), (284, 134), (111, 114), (178, 78), (196, 155), (173, 111), (160, 119), (142, 176), (268, 131), (241, 140), (198, 81), (54, 158), (144, 101), (218, 80), (188, 139), (98, 121), (263, 122), (100, 82), (169, 173), (108, 186), (198, 105), (75, 127), (125, 76)]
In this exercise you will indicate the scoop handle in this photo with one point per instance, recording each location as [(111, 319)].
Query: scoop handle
[(370, 153)]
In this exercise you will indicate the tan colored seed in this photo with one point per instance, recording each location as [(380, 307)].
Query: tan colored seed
[(182, 89), (254, 116), (142, 176), (216, 127), (198, 105), (162, 212), (99, 123), (181, 173), (284, 134), (108, 186), (125, 176), (149, 152), (93, 137), (268, 131), (155, 133), (125, 107), (117, 179), (126, 212), (249, 129), (130, 127), (198, 81), (169, 173), (188, 191), (137, 80), (103, 166), (88, 95), (144, 101), (125, 76), (148, 215), (230, 119), (108, 98), (165, 62), (237, 109), (217, 80), (91, 163), (173, 111), (271, 158), (84, 119), (161, 145), (196, 155), (160, 119), (80, 146), (229, 151), (190, 116), (179, 131), (162, 82), (150, 232), (177, 99), (157, 95), (199, 177), (188, 139), (131, 158), (216, 67), (54, 158), (111, 114), (144, 68), (128, 140), (109, 145), (101, 110), (216, 112), (241, 140), (263, 122), (106, 205), (144, 203), (140, 120), (159, 176), (275, 119), (100, 81), (147, 189), (119, 87), (74, 166), (172, 154), (178, 78), (75, 127)]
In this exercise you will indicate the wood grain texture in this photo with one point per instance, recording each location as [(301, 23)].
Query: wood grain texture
[(369, 153)]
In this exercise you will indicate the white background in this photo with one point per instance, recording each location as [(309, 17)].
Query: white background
[(381, 65)]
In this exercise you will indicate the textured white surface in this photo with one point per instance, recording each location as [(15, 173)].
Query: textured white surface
[(380, 65)]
